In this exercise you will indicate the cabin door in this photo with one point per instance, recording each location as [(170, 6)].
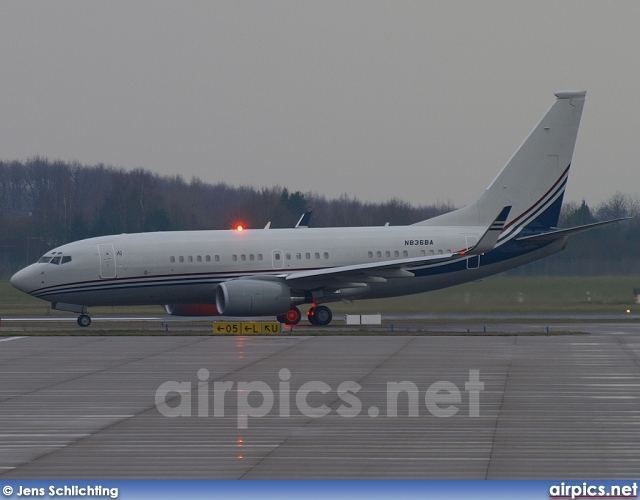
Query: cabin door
[(107, 261), (277, 259), (473, 262)]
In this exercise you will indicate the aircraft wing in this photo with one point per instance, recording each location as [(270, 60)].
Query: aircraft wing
[(388, 268), (400, 268), (560, 233)]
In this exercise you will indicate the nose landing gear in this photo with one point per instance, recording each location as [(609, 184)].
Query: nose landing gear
[(84, 320)]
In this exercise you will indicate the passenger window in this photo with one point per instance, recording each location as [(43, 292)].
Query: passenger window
[(423, 252), (370, 255), (66, 258), (298, 256), (199, 258), (379, 253), (430, 252), (252, 257), (190, 258), (317, 255), (172, 259), (387, 253), (288, 256), (307, 255), (234, 258), (396, 254), (326, 255), (243, 257), (259, 256), (181, 258), (207, 258), (405, 253), (440, 252)]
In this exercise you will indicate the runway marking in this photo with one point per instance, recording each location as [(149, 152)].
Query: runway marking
[(11, 338), (49, 319), (43, 435)]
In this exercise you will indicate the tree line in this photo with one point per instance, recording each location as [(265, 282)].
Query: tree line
[(44, 204)]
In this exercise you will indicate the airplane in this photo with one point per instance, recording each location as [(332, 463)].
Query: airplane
[(264, 272)]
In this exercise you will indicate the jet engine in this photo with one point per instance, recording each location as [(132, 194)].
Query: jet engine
[(247, 297)]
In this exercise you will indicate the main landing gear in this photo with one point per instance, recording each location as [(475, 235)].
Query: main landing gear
[(291, 317), (317, 315)]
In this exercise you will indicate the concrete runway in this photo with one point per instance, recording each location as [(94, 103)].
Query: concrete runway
[(565, 406), (392, 324)]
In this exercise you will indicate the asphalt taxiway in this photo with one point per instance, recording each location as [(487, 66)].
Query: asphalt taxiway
[(550, 406)]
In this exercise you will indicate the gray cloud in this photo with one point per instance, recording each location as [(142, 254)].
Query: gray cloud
[(422, 101)]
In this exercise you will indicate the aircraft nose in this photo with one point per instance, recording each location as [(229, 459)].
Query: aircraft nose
[(23, 280)]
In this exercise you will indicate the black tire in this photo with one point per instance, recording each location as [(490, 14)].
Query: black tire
[(310, 315), (320, 315), (84, 320), (291, 317)]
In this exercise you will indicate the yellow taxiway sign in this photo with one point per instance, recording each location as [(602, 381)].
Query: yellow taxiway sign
[(246, 327)]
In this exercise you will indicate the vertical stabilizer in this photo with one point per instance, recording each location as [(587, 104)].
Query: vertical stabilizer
[(534, 179)]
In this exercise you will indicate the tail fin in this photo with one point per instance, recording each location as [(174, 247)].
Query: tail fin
[(534, 179)]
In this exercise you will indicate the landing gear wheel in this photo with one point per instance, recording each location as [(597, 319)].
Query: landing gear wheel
[(84, 320), (320, 315), (291, 317)]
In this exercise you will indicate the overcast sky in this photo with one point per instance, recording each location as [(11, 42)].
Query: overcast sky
[(423, 101)]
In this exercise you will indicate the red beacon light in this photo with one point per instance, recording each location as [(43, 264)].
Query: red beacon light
[(239, 227)]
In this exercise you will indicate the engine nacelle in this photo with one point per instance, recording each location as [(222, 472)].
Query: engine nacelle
[(254, 298)]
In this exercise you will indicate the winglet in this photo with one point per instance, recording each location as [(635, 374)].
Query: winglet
[(303, 222), (490, 237)]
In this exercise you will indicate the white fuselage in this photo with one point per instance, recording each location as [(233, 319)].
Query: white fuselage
[(186, 267), (269, 271)]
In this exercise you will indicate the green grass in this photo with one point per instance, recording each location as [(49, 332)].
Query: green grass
[(600, 294), (506, 294)]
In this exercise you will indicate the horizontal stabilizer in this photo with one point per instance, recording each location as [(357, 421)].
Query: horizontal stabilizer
[(561, 233)]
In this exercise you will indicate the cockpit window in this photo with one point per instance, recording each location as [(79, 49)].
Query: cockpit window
[(56, 259)]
